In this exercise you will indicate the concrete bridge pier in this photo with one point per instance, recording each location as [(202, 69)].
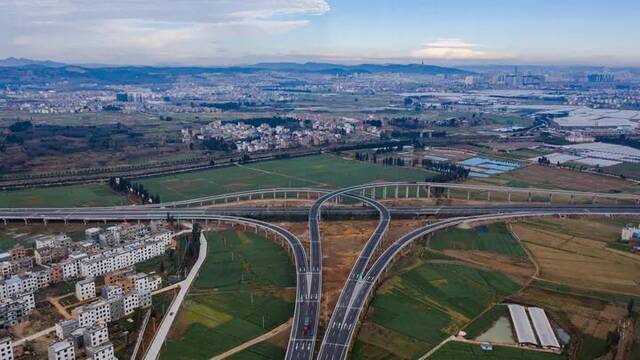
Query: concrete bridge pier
[(26, 221), (4, 221), (448, 193), (509, 197), (397, 186), (428, 192), (529, 197), (550, 198), (44, 221), (384, 192), (406, 192), (418, 191), (488, 195), (468, 195), (572, 200), (262, 196), (594, 200), (373, 193), (66, 221), (297, 195)]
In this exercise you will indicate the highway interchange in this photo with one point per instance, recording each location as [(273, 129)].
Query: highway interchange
[(363, 278)]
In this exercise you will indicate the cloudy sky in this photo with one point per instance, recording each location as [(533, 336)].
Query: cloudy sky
[(210, 32)]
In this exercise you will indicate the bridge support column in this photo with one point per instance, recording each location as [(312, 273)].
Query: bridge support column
[(529, 197), (488, 195), (250, 197), (84, 221), (373, 193), (297, 195), (397, 191), (4, 221), (26, 221), (262, 196), (428, 192), (225, 200), (274, 195), (550, 198), (308, 195), (418, 191), (468, 195), (238, 199), (448, 193), (384, 192), (44, 221), (509, 197), (593, 200), (406, 192), (66, 221), (105, 220), (285, 196), (571, 200)]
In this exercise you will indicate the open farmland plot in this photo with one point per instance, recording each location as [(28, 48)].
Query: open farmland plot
[(310, 171), (244, 260), (430, 301), (579, 261), (493, 238), (245, 288), (551, 177), (463, 351), (62, 196)]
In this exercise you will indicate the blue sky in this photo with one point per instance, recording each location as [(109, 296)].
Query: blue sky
[(204, 32)]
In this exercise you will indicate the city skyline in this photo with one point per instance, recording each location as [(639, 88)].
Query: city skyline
[(193, 32)]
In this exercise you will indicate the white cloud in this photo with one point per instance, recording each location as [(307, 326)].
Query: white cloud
[(455, 49), (140, 31)]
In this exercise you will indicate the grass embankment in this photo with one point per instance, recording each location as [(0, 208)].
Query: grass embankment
[(245, 288)]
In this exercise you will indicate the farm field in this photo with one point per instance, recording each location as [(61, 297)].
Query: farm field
[(559, 178), (629, 170), (464, 351), (245, 288), (62, 196), (579, 260), (310, 171), (425, 302), (492, 238)]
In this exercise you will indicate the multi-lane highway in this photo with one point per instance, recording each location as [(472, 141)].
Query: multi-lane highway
[(360, 283), (337, 345)]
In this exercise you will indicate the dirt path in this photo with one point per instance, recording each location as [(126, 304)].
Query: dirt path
[(254, 341), (61, 310)]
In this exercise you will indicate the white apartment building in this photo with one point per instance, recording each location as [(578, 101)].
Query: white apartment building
[(6, 349), (61, 350), (131, 302), (86, 289), (96, 335), (142, 281), (111, 292), (102, 352), (99, 311)]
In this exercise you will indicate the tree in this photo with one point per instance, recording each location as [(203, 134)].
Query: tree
[(161, 267)]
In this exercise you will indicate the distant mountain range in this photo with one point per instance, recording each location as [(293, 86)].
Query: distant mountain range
[(18, 62), (26, 71)]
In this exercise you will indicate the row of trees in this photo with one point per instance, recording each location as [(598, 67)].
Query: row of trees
[(459, 172), (124, 186), (447, 171)]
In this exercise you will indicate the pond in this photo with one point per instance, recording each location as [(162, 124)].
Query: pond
[(500, 332)]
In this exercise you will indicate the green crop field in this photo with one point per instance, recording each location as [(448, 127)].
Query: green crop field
[(263, 350), (240, 260), (62, 196), (245, 289), (310, 171), (461, 351), (493, 238), (433, 300)]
